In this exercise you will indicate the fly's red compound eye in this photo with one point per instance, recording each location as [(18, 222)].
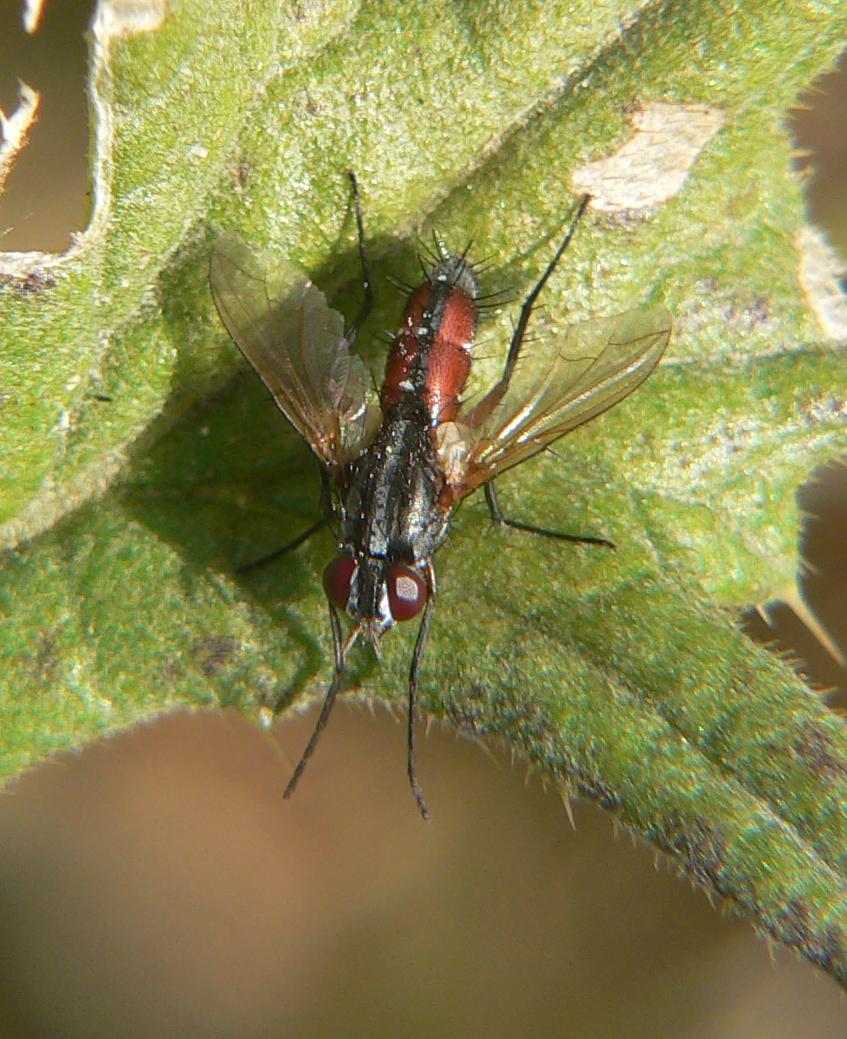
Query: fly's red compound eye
[(337, 579), (406, 592)]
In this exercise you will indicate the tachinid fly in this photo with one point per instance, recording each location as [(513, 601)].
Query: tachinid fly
[(393, 470)]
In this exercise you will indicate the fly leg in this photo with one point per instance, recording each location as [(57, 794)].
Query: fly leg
[(498, 517), (329, 700), (296, 543), (484, 408), (414, 676), (326, 508), (368, 302)]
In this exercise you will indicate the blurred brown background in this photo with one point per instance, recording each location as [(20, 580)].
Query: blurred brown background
[(157, 884)]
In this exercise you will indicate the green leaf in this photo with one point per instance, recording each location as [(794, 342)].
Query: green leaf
[(621, 676)]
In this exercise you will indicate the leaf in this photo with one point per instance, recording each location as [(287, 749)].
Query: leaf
[(621, 676)]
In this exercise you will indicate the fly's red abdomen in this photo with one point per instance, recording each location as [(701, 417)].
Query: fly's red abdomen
[(431, 356), (449, 359), (401, 369)]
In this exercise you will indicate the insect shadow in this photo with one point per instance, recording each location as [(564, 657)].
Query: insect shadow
[(221, 478)]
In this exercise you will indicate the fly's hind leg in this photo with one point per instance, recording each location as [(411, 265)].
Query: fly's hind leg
[(491, 399), (368, 301)]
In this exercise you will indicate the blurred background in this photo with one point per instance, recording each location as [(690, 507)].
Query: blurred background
[(157, 884)]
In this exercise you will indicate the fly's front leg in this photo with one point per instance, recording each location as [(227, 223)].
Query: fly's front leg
[(414, 677), (329, 700), (498, 517), (296, 543), (326, 508)]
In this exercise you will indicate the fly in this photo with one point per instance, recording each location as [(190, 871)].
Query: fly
[(393, 470)]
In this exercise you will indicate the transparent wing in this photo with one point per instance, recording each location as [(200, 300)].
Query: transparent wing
[(597, 364), (282, 324)]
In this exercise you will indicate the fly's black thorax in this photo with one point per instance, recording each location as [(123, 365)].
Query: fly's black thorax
[(390, 510)]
